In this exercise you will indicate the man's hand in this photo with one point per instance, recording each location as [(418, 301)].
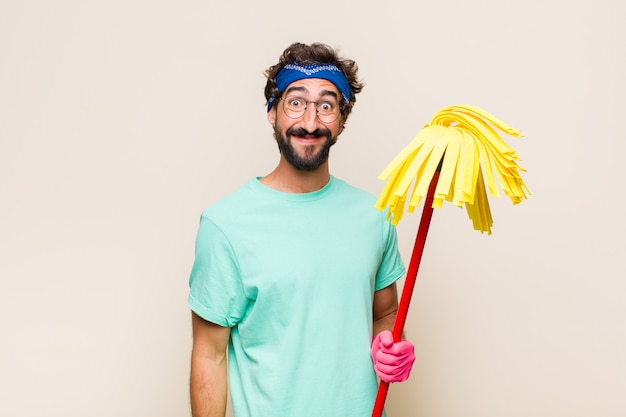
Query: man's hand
[(392, 361)]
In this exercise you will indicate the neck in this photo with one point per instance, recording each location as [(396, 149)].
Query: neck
[(288, 179)]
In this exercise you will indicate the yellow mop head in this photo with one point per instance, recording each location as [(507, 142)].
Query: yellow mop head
[(463, 142)]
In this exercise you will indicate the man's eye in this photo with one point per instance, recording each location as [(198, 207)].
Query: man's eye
[(326, 106), (296, 102)]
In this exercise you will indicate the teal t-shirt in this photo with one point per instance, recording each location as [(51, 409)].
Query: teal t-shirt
[(294, 275)]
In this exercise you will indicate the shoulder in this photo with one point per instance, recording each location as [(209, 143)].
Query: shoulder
[(231, 203), (348, 190), (359, 200)]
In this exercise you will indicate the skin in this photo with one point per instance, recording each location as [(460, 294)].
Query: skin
[(208, 382)]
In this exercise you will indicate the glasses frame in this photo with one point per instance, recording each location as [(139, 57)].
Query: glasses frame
[(306, 106)]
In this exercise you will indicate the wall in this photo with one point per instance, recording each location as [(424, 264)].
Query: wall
[(121, 120)]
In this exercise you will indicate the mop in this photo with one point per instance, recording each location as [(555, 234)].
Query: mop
[(450, 159)]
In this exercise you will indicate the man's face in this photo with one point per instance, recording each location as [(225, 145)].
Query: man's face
[(305, 141)]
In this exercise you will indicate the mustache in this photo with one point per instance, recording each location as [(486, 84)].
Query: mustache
[(299, 131)]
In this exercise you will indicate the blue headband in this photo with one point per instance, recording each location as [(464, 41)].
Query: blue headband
[(294, 72)]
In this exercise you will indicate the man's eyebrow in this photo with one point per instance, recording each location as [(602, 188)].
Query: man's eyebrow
[(329, 93), (295, 88), (301, 89)]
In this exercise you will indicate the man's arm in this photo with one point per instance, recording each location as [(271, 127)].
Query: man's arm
[(208, 386), (384, 308)]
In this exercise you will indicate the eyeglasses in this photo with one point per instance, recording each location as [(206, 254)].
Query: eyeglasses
[(327, 110)]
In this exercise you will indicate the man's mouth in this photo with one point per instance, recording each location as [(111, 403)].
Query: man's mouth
[(302, 134)]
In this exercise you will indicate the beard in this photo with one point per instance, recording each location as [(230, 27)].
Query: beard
[(311, 160)]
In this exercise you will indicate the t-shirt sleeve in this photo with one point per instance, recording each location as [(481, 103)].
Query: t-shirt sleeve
[(216, 291), (391, 267)]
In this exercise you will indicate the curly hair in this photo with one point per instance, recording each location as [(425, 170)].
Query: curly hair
[(316, 53)]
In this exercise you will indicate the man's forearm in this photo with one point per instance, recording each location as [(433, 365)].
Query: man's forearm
[(384, 309), (208, 386), (384, 323)]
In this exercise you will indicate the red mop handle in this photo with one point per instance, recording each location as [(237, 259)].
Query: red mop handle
[(409, 284)]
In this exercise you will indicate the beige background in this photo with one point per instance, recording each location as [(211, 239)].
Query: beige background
[(121, 120)]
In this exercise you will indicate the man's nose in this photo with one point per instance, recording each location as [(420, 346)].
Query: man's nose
[(309, 118)]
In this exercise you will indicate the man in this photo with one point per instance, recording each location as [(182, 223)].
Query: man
[(295, 271)]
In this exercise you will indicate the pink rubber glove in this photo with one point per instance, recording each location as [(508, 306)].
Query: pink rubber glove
[(392, 361)]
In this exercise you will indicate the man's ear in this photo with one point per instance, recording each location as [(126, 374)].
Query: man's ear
[(271, 116)]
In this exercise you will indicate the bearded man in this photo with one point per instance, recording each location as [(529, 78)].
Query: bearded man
[(293, 288)]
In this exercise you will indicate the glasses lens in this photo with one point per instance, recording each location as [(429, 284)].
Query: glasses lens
[(294, 106), (327, 111)]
